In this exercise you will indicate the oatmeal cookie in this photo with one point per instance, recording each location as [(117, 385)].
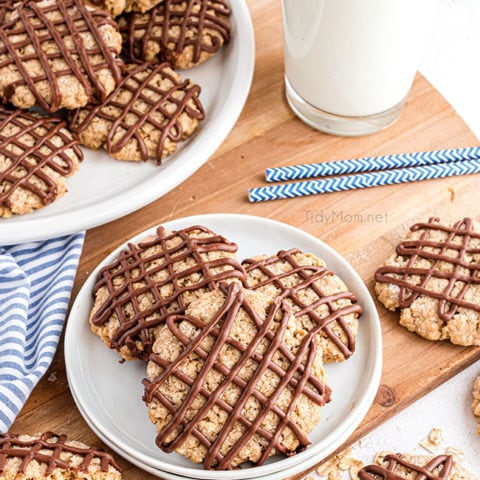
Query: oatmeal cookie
[(476, 401), (51, 456), (36, 154), (58, 54), (434, 279), (161, 275), (145, 117), (318, 298), (184, 33), (415, 467), (232, 381)]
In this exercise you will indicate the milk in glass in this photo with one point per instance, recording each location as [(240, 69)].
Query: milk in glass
[(351, 58)]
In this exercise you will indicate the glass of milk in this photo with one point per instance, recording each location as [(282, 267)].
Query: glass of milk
[(349, 64)]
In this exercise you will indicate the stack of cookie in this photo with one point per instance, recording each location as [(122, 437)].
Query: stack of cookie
[(234, 351), (113, 79)]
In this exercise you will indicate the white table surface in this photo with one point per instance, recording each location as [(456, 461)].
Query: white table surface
[(451, 60), (452, 64)]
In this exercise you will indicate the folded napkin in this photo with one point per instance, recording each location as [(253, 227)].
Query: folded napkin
[(35, 285)]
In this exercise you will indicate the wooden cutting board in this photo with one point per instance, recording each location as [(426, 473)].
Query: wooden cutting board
[(363, 225)]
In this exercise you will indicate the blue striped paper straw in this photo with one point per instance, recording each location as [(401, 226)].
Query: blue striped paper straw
[(370, 164), (363, 180)]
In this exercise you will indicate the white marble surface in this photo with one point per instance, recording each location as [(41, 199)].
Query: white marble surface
[(452, 64), (451, 60), (447, 408)]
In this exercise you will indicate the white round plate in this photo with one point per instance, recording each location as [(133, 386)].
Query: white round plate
[(109, 394), (105, 189), (288, 472)]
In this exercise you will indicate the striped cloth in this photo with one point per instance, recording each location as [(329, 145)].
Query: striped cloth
[(35, 285)]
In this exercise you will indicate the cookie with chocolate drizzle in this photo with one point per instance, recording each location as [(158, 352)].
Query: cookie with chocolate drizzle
[(58, 55), (318, 298), (235, 380), (414, 467), (37, 153), (184, 33), (49, 456), (434, 278), (145, 117), (160, 276)]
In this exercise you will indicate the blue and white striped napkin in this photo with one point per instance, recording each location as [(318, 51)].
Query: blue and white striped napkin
[(36, 281)]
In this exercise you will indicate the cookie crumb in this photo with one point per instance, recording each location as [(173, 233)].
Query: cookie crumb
[(380, 456), (435, 438), (452, 193), (355, 467), (53, 377), (457, 454), (343, 461), (335, 474), (325, 468)]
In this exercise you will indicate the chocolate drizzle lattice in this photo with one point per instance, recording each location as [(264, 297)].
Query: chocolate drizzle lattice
[(175, 25), (30, 143), (146, 269), (308, 275), (6, 8), (37, 41), (427, 261), (141, 104), (294, 374), (47, 450), (438, 468)]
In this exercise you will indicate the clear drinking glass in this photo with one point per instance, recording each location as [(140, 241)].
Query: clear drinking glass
[(349, 64)]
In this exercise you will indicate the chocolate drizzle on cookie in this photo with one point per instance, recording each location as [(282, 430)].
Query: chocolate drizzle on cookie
[(47, 450), (149, 106), (450, 260), (176, 25), (309, 275), (145, 269), (296, 377), (37, 144), (438, 468), (37, 27), (6, 8)]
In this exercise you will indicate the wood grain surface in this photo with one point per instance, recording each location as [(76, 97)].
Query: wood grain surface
[(363, 225)]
